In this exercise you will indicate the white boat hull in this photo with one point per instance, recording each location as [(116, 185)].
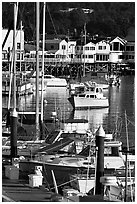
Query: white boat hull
[(50, 81), (90, 103)]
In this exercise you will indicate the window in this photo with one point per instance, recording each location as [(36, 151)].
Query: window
[(92, 48), (132, 48), (18, 56), (127, 48), (63, 47), (86, 48), (116, 46), (100, 47), (91, 96), (52, 47), (82, 95), (121, 56), (90, 56), (18, 46), (97, 57), (3, 56)]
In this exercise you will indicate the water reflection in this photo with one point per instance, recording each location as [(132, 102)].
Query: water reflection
[(95, 117), (121, 99)]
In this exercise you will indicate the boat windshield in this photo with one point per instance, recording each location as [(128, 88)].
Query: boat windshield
[(49, 76)]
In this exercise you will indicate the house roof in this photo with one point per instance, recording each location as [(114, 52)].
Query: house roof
[(53, 41), (51, 51), (30, 47), (123, 41)]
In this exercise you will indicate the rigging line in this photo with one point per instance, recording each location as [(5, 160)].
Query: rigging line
[(130, 122), (52, 20)]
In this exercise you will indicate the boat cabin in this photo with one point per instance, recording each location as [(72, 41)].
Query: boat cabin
[(93, 92)]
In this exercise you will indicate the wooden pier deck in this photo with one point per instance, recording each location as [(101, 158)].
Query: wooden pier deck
[(20, 191)]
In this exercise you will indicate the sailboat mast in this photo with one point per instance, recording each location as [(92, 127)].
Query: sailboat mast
[(13, 114), (84, 48), (14, 58), (20, 43), (43, 48), (37, 70)]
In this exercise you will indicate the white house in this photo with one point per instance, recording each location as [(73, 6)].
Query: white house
[(117, 49), (8, 47), (71, 50), (79, 53), (89, 53), (62, 53), (102, 51)]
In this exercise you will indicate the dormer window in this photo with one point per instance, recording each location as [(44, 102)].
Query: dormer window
[(63, 47), (18, 46)]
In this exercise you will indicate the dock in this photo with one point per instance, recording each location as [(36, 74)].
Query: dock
[(19, 190)]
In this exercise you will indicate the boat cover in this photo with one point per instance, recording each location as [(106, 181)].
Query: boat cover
[(55, 146)]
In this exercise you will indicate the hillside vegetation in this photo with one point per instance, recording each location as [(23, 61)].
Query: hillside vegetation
[(106, 18)]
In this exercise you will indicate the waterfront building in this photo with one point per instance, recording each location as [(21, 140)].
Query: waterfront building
[(96, 52), (130, 47), (117, 49), (89, 53), (79, 52), (102, 51), (8, 45)]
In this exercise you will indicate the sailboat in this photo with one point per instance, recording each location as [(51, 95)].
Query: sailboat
[(13, 125), (23, 87)]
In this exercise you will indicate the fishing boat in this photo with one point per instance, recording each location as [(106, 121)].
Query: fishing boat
[(50, 80), (93, 98)]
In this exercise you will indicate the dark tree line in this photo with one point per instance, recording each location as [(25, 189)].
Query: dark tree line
[(107, 18)]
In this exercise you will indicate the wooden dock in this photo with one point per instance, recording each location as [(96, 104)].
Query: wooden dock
[(20, 191)]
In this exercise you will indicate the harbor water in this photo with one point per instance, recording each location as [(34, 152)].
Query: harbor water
[(121, 100)]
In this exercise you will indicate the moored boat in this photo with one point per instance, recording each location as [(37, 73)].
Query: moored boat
[(93, 98), (50, 80)]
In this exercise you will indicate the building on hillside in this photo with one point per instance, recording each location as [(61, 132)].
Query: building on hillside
[(79, 51), (102, 51), (117, 49), (89, 53), (62, 52), (71, 51), (130, 47), (8, 46)]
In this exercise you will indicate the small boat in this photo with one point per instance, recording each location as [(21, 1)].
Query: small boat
[(114, 186), (50, 80), (90, 84), (76, 88), (63, 165), (114, 80), (89, 99)]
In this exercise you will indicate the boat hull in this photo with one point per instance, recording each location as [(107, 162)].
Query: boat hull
[(61, 172), (88, 103), (51, 82)]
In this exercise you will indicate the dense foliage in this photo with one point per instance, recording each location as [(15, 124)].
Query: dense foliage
[(107, 18)]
